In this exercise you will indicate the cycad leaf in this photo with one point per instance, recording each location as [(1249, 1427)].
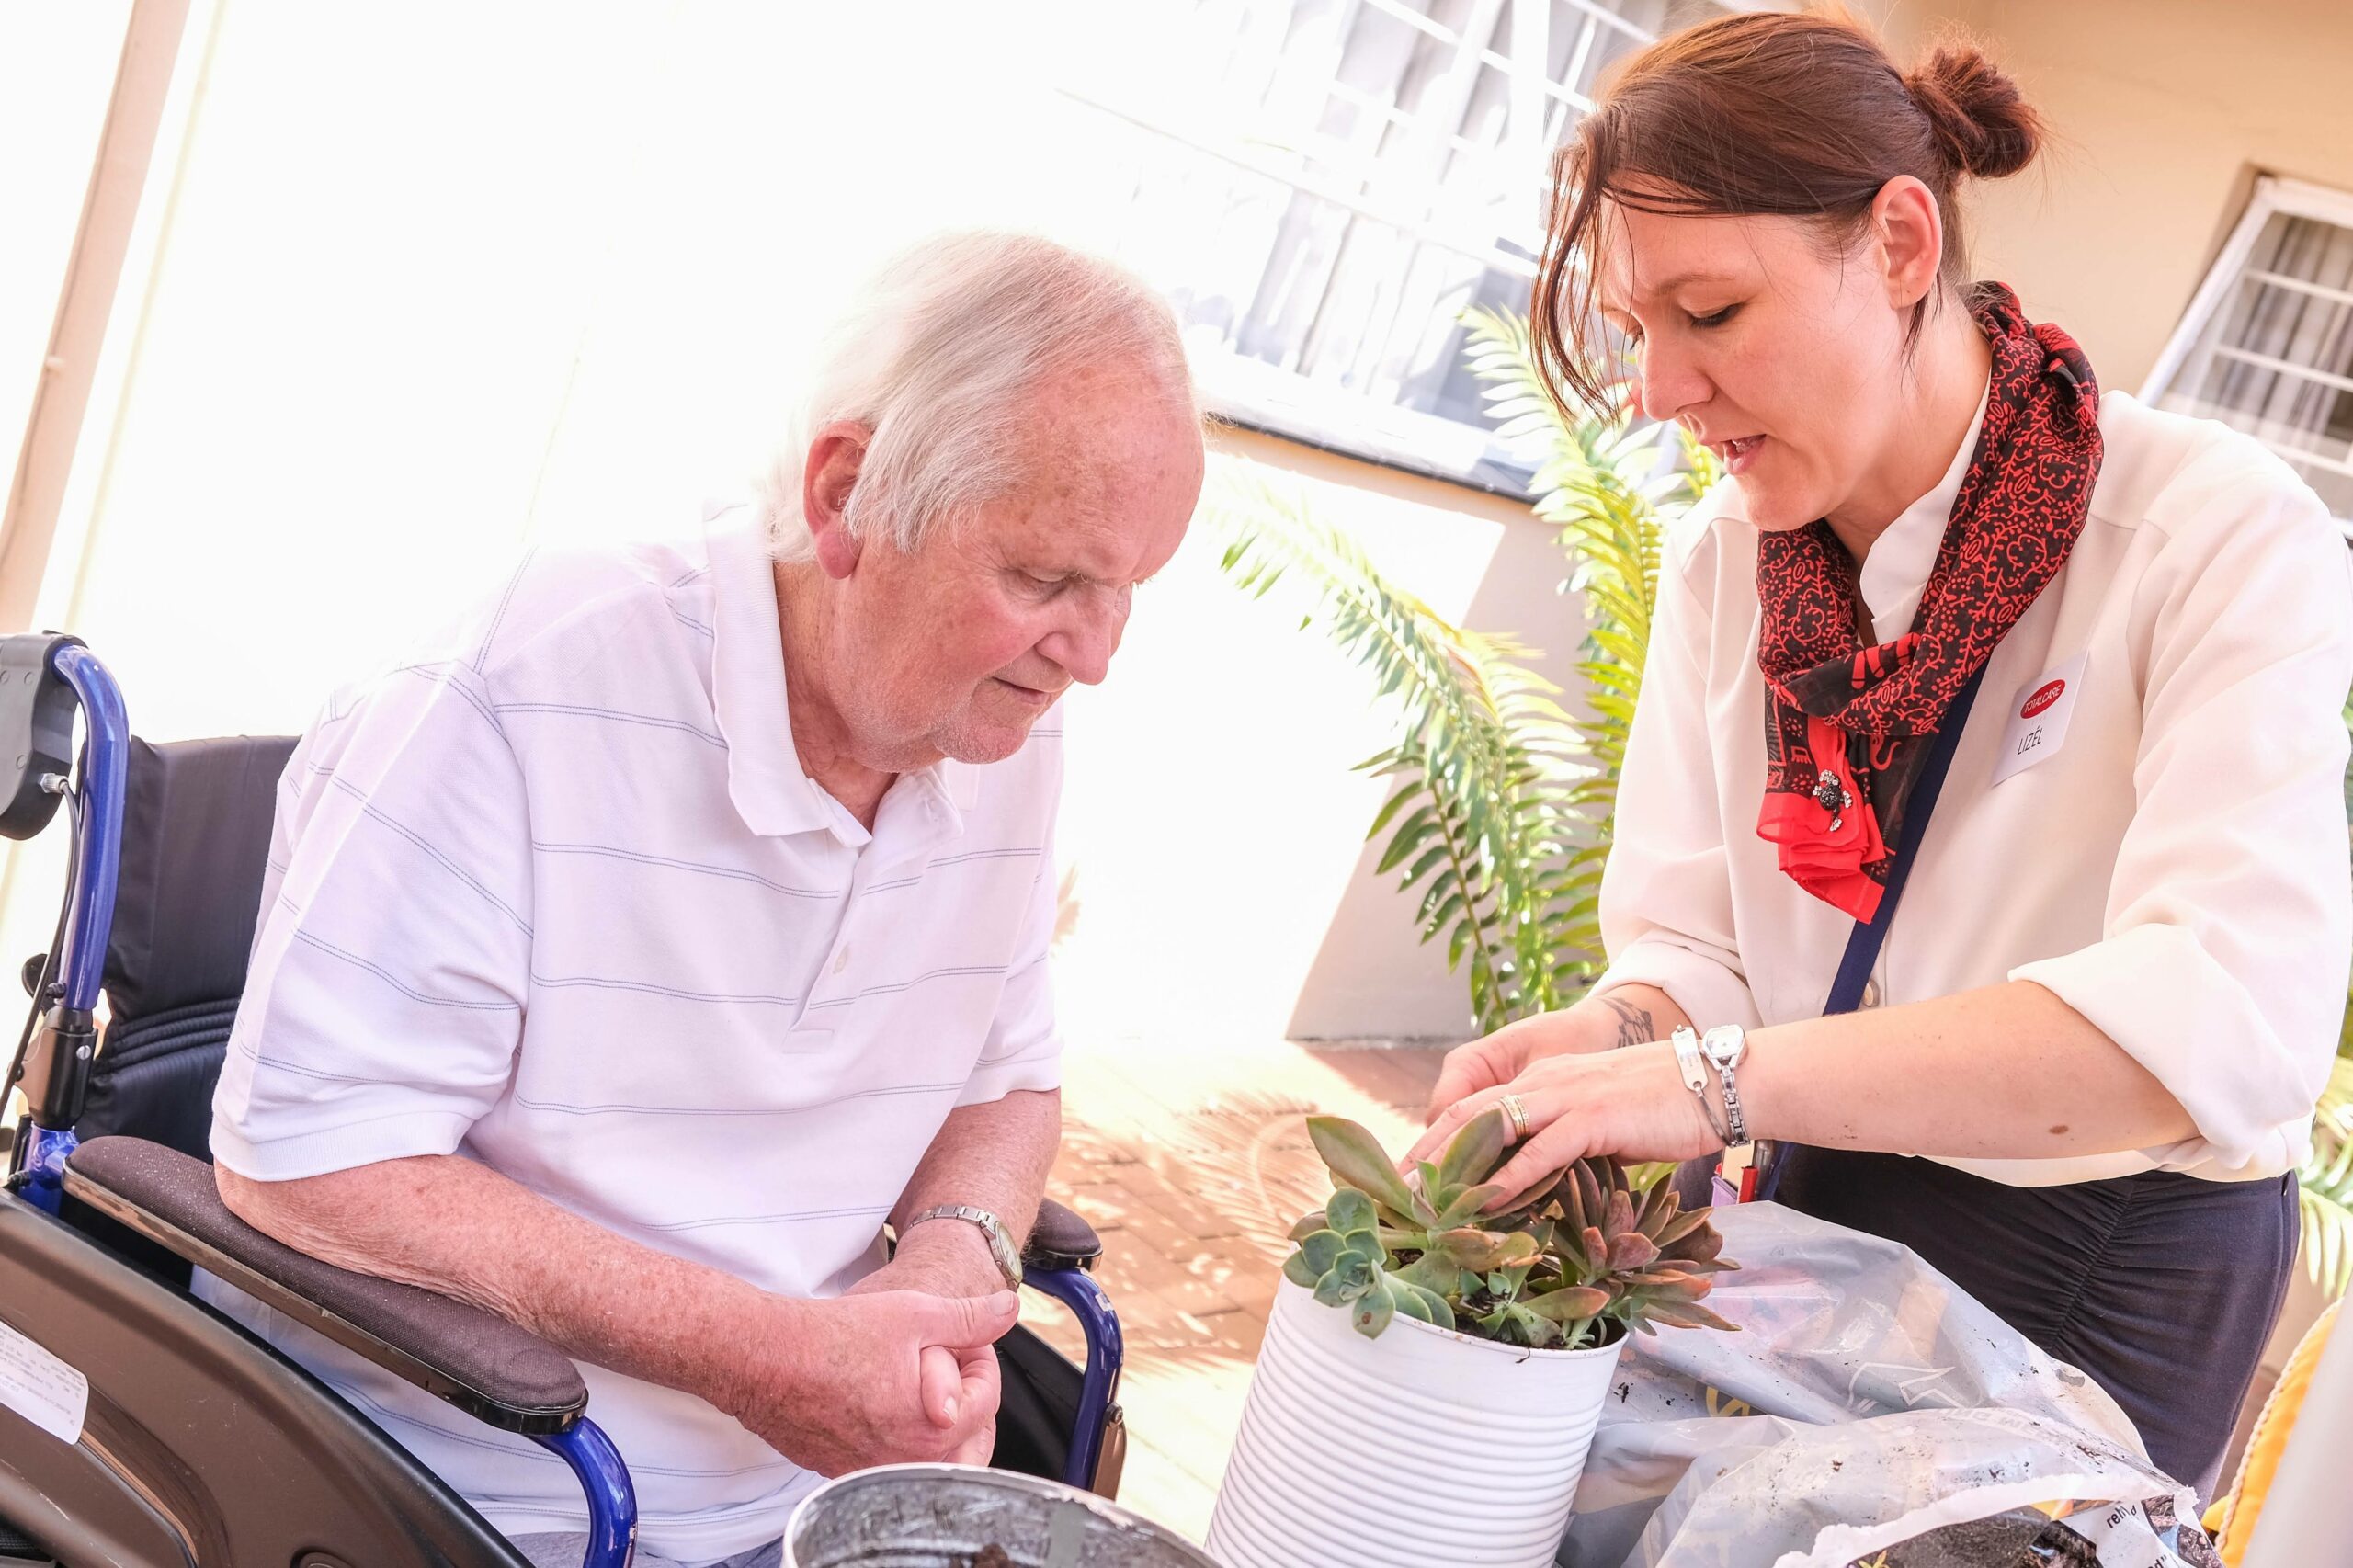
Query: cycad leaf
[(1503, 788)]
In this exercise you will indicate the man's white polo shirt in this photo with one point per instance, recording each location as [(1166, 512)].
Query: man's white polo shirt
[(559, 897)]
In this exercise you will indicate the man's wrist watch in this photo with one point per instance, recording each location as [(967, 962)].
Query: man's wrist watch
[(1006, 1257)]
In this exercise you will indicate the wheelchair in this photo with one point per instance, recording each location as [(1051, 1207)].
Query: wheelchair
[(138, 1426)]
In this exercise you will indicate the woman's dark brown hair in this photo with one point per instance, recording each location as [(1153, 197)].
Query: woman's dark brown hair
[(1797, 115)]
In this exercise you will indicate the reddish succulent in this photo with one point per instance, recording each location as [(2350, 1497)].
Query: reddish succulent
[(1573, 1264)]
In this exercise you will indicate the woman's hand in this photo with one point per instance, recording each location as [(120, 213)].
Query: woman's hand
[(1628, 1015), (1631, 1103)]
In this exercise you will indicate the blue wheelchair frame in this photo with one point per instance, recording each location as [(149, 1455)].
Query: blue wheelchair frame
[(70, 1022)]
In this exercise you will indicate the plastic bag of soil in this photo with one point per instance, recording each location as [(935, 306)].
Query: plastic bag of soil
[(1868, 1412)]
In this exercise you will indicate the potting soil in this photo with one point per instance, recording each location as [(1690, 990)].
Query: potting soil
[(1868, 1414)]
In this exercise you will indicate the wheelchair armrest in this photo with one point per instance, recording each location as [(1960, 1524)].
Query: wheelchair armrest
[(1060, 1239), (504, 1376)]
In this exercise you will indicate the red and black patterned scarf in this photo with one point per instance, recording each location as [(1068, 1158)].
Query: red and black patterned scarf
[(1845, 724)]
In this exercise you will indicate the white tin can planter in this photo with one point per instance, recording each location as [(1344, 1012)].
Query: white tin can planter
[(1420, 1446)]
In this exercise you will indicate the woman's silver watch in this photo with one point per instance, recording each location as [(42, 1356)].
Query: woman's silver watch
[(1001, 1248), (1723, 1046)]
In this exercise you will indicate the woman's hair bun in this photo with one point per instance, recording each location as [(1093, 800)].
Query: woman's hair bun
[(1982, 123)]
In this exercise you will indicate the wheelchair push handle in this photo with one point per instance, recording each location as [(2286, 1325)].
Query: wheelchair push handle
[(37, 709), (45, 679)]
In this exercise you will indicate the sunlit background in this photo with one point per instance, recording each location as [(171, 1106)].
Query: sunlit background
[(398, 290), (410, 286), (416, 285)]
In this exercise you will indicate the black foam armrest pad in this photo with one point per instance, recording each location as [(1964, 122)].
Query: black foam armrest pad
[(1060, 1239), (487, 1366)]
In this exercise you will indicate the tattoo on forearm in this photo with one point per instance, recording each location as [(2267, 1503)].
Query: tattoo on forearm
[(1634, 1024)]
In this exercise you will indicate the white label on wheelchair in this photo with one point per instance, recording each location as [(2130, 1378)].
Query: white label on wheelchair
[(40, 1388)]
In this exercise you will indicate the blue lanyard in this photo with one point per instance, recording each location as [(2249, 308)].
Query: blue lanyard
[(1862, 947)]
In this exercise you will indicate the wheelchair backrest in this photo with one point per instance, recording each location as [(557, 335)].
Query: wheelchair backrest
[(196, 827)]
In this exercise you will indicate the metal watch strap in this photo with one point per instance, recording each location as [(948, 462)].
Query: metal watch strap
[(1724, 1046), (999, 1239), (1735, 1125)]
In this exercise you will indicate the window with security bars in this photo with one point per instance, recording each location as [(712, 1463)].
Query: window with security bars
[(2267, 344), (1325, 187)]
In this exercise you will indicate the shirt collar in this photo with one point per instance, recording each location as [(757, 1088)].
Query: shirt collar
[(764, 777), (960, 782), (951, 788), (1896, 572)]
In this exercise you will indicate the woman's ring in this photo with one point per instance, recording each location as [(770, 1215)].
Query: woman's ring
[(1517, 1111)]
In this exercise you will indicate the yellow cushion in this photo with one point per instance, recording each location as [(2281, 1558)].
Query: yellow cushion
[(2230, 1520)]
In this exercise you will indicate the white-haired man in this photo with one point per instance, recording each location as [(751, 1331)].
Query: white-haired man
[(627, 962)]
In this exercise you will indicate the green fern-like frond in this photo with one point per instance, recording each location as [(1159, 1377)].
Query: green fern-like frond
[(2326, 1185), (2325, 1180), (1477, 810), (1501, 803), (1608, 485)]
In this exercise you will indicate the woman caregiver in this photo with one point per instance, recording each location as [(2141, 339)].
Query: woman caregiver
[(2110, 646)]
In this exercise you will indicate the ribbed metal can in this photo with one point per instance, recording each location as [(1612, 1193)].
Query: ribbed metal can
[(946, 1516), (1420, 1446)]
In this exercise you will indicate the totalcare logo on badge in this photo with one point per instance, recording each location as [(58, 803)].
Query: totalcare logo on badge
[(2039, 717), (2044, 696)]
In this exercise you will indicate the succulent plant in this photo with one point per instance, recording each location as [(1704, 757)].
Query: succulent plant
[(1573, 1264)]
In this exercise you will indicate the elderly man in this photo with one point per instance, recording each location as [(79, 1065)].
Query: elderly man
[(628, 959)]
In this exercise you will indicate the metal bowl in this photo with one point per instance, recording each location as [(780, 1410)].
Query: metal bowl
[(943, 1516)]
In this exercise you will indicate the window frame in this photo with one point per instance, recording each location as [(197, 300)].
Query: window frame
[(2182, 363), (1317, 412)]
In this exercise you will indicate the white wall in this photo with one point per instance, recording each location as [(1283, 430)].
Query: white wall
[(2162, 113), (1214, 816)]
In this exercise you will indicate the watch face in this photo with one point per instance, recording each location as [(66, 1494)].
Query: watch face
[(1001, 1247)]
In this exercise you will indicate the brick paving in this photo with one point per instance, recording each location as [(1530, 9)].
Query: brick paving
[(1192, 1163)]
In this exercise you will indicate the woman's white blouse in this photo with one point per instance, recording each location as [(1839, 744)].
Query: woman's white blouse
[(2161, 841)]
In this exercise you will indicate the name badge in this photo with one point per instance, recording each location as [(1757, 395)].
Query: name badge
[(2037, 718)]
